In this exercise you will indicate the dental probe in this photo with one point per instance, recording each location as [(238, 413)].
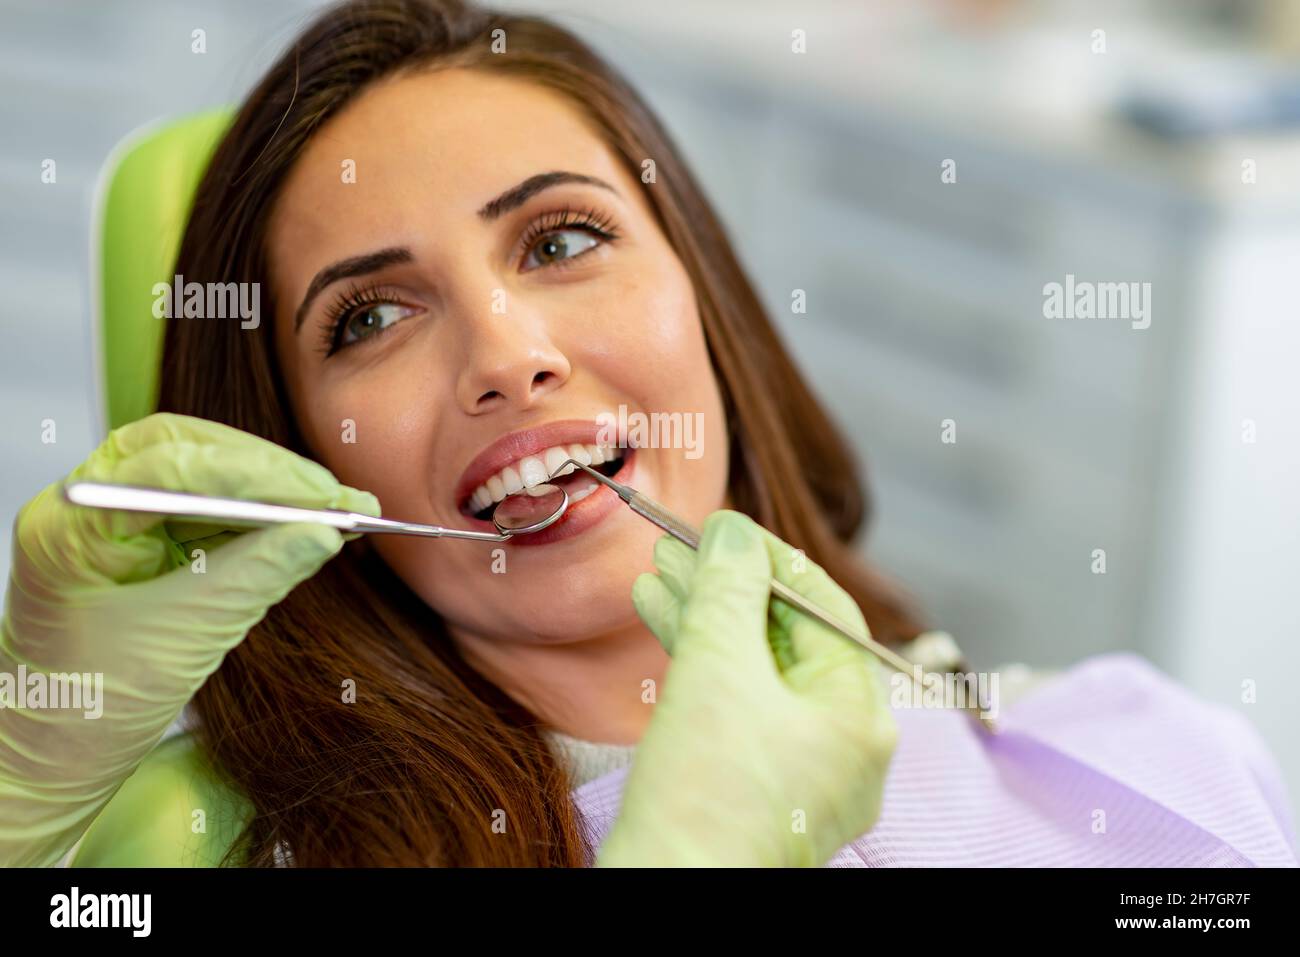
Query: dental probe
[(681, 530), (506, 518)]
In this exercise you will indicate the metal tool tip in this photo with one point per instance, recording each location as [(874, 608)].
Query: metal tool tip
[(622, 491)]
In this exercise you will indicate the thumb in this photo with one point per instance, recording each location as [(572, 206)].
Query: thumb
[(727, 607), (658, 607)]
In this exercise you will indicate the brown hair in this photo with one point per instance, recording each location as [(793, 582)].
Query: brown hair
[(414, 775)]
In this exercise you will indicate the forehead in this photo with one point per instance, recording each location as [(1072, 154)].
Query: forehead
[(433, 146)]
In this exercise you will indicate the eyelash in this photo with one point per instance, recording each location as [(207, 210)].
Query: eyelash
[(594, 222), (357, 297)]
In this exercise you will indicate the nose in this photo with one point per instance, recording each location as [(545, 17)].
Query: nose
[(512, 361)]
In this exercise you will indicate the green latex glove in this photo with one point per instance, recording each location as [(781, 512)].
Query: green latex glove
[(772, 736), (93, 590)]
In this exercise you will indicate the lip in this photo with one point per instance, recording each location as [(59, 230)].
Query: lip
[(577, 518), (580, 516), (515, 446)]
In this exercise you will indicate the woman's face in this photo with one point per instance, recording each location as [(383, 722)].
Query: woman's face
[(437, 326)]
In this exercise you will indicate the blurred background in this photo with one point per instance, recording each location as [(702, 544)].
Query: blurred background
[(1146, 141)]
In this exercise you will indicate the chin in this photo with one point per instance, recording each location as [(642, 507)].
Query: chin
[(573, 604)]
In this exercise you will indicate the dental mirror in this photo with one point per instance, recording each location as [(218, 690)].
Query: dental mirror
[(539, 507)]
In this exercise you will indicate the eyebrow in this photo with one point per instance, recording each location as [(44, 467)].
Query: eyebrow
[(346, 269), (512, 198), (518, 195)]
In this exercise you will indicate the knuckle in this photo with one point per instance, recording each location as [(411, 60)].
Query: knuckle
[(33, 522), (666, 549)]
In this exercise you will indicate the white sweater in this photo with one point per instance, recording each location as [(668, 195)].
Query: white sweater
[(588, 760)]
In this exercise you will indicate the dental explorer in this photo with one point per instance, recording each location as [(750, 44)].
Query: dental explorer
[(684, 532)]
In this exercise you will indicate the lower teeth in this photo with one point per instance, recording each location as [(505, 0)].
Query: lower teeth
[(486, 514), (579, 496)]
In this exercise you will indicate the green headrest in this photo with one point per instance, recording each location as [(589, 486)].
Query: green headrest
[(146, 190)]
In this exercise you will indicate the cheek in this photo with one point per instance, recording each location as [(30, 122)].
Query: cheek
[(668, 316), (376, 440), (656, 315), (647, 311)]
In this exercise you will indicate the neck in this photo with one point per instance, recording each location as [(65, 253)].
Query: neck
[(594, 689)]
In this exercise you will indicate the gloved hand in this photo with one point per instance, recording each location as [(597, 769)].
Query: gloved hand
[(116, 592), (771, 738)]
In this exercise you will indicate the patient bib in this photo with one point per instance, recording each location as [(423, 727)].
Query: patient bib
[(1110, 764)]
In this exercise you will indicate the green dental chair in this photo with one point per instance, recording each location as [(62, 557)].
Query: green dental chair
[(172, 811)]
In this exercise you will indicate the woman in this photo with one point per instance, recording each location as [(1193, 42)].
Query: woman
[(518, 279), (475, 241)]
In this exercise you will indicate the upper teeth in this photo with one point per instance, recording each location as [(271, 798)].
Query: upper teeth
[(537, 470)]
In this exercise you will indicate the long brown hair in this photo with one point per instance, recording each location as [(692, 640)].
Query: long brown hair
[(413, 772)]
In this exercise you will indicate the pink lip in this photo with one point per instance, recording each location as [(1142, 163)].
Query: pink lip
[(580, 516), (513, 447)]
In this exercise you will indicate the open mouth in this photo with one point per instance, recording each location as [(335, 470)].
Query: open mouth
[(519, 477)]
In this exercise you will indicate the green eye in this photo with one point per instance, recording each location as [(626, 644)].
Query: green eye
[(366, 322), (554, 247)]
